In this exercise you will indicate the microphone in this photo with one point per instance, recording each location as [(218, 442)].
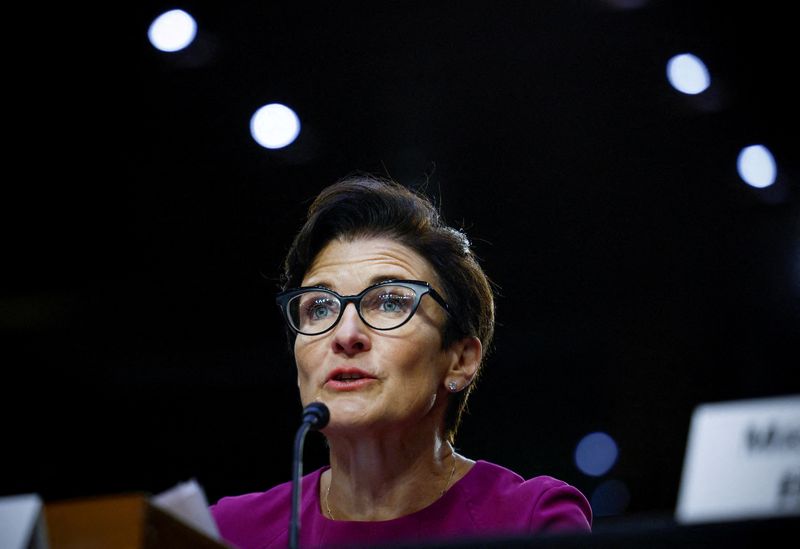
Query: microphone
[(315, 417)]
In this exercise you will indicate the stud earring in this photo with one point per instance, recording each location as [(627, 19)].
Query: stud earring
[(452, 386)]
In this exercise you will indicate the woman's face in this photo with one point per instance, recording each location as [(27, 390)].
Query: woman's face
[(373, 379)]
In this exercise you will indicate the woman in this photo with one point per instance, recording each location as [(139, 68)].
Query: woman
[(389, 318)]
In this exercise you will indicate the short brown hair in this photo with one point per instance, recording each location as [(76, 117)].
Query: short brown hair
[(368, 206)]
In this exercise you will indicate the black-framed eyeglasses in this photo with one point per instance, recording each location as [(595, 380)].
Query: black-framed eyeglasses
[(313, 310)]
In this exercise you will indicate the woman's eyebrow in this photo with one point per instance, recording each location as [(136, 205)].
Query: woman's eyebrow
[(321, 284), (384, 277), (377, 279)]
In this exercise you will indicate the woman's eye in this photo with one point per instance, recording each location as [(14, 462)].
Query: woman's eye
[(319, 309), (392, 303)]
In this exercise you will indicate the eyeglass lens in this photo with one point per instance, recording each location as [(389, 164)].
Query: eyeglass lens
[(383, 307)]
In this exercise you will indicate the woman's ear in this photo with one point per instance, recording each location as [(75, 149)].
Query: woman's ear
[(466, 357)]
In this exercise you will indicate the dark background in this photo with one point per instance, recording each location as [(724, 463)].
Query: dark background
[(637, 275)]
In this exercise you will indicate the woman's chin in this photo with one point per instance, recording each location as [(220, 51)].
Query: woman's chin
[(350, 416), (347, 411)]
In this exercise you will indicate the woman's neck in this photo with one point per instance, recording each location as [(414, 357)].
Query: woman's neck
[(381, 478)]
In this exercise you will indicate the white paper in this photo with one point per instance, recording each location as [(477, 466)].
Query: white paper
[(187, 501), (21, 523)]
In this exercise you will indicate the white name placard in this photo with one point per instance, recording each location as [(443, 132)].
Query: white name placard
[(22, 524), (742, 461)]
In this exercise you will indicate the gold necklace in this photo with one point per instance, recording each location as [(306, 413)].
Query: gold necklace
[(446, 486)]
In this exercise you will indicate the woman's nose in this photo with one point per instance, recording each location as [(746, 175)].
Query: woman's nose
[(351, 335)]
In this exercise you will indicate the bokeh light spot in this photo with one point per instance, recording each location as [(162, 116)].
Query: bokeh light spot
[(688, 74), (595, 454), (611, 497), (274, 126), (756, 166), (172, 31)]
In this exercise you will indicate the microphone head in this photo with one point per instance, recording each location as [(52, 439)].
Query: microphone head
[(316, 415)]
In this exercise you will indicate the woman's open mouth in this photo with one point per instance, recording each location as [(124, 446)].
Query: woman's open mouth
[(348, 379)]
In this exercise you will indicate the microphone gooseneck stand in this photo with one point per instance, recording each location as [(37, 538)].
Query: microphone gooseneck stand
[(315, 416)]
